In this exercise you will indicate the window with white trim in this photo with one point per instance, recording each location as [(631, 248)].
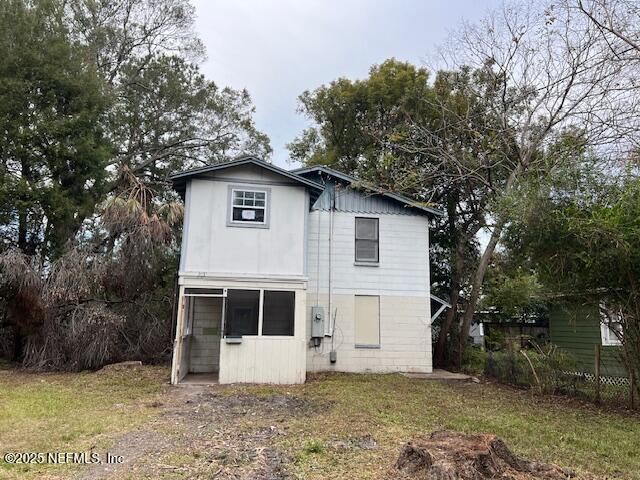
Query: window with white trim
[(248, 206), (367, 247), (611, 333), (610, 327)]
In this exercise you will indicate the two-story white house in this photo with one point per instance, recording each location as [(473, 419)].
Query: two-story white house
[(285, 272)]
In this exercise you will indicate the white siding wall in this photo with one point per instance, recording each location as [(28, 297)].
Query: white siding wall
[(268, 359), (404, 256), (215, 255), (212, 247), (401, 280)]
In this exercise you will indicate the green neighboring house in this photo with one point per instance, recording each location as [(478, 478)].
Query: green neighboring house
[(577, 329)]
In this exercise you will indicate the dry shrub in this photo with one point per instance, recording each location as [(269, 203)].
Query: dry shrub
[(86, 338), (72, 322), (66, 328), (108, 299)]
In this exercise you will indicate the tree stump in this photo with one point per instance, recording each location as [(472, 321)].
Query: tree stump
[(447, 455)]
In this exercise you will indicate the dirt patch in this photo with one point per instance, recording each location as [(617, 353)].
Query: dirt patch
[(131, 447), (245, 404), (205, 432), (454, 455), (235, 434)]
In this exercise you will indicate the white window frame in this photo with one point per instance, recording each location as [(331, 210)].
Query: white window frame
[(248, 223), (366, 262), (608, 336), (193, 293)]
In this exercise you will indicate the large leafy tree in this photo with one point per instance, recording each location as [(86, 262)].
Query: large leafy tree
[(404, 133), (579, 231), (102, 100), (53, 147), (548, 70), (167, 117), (350, 115), (521, 77), (94, 91)]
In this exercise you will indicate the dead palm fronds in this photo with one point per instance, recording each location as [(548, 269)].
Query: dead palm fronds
[(104, 300)]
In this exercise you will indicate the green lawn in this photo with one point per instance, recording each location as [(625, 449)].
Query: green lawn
[(73, 412)]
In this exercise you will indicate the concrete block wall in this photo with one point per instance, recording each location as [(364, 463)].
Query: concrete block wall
[(204, 355)]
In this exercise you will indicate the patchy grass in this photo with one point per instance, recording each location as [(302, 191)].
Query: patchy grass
[(393, 408), (71, 412), (314, 446), (318, 430)]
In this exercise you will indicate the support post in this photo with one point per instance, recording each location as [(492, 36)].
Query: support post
[(178, 341), (632, 391), (597, 372)]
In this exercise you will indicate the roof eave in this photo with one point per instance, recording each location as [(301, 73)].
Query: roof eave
[(349, 178), (181, 177)]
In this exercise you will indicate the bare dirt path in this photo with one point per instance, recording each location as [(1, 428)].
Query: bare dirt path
[(202, 432)]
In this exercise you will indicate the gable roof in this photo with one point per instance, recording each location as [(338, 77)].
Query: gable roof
[(299, 175), (180, 179), (318, 169)]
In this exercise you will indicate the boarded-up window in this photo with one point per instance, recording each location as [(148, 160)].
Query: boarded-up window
[(367, 321), (242, 312), (366, 240), (278, 313)]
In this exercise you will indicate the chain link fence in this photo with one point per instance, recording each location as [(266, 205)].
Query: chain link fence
[(554, 372)]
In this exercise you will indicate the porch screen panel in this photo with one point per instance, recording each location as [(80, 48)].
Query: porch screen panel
[(367, 321), (278, 314), (242, 312)]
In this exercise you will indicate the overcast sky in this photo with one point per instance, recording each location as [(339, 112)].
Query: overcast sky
[(276, 49)]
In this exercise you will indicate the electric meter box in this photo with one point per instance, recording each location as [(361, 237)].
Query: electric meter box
[(317, 322)]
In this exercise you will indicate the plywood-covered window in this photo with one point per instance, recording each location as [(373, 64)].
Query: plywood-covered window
[(243, 307), (278, 315), (367, 321), (367, 240)]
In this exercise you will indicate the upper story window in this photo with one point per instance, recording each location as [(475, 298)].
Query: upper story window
[(248, 207), (367, 241)]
